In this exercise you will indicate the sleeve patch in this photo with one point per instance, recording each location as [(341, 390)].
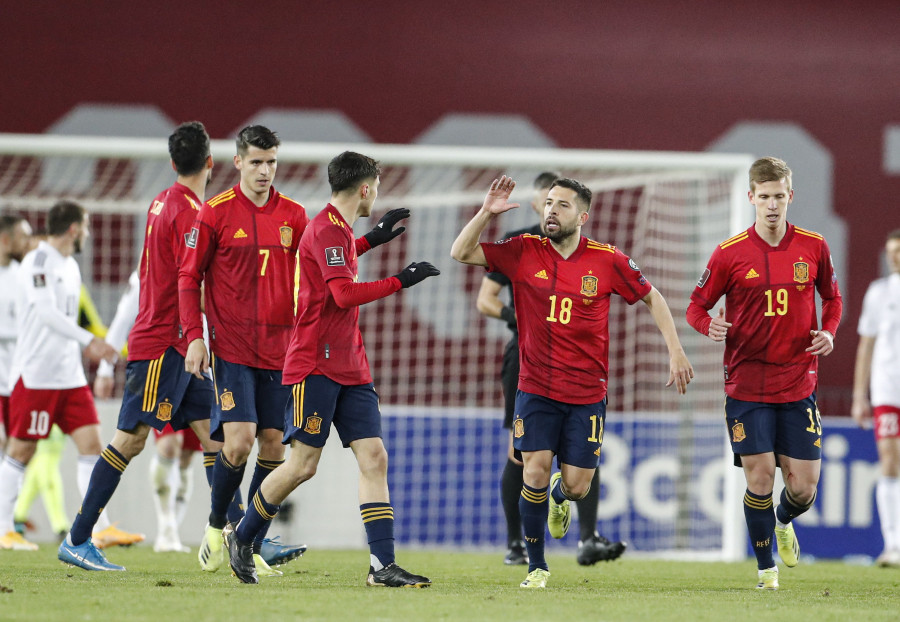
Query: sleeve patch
[(633, 265), (703, 278), (40, 280), (334, 256), (190, 239)]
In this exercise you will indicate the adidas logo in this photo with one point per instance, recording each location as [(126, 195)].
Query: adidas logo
[(541, 275), (753, 274), (239, 234), (818, 443)]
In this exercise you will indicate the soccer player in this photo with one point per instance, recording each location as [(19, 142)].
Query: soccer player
[(328, 376), (157, 389), (876, 393), (592, 547), (562, 285), (769, 275), (49, 382)]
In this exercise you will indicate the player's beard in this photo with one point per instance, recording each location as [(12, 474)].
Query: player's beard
[(561, 234)]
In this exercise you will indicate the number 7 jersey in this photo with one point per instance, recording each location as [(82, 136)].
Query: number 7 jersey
[(770, 301), (562, 308)]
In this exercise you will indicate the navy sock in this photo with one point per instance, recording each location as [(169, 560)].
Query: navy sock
[(258, 517), (510, 490), (209, 461), (104, 480), (587, 509), (263, 468), (558, 493), (533, 507), (788, 509), (378, 519), (236, 508), (226, 481), (760, 526)]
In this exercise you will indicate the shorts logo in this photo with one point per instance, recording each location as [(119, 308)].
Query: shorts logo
[(801, 272), (597, 452), (737, 433), (703, 278), (589, 285), (227, 400), (190, 239), (164, 411), (313, 425), (287, 235), (519, 428), (818, 443), (334, 256)]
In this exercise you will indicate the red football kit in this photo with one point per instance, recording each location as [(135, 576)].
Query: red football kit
[(169, 222), (326, 338), (246, 258), (771, 304), (562, 307)]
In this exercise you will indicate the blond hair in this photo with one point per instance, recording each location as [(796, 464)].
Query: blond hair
[(769, 169)]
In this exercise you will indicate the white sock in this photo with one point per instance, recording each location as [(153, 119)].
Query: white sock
[(183, 494), (887, 498), (12, 474), (85, 470), (160, 472)]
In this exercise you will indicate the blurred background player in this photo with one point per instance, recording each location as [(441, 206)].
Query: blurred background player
[(242, 249), (876, 392), (328, 374), (50, 384), (592, 547), (562, 284), (769, 275)]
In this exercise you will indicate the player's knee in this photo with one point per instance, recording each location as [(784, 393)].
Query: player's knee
[(577, 490), (374, 462), (237, 448), (127, 444)]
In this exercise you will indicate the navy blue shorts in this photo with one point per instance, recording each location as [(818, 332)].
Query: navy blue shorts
[(319, 401), (574, 432), (247, 394), (159, 391), (792, 429)]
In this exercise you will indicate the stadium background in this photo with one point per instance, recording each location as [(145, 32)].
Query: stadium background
[(814, 82)]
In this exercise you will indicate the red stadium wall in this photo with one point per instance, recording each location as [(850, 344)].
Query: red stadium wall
[(651, 75)]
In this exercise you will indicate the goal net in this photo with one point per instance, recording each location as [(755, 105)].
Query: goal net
[(435, 360)]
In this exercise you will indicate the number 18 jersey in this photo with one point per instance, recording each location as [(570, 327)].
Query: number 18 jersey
[(562, 308)]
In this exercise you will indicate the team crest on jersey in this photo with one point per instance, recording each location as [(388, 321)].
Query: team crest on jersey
[(190, 239), (801, 272), (737, 433), (589, 285), (287, 235), (313, 425), (164, 411), (519, 428), (227, 400), (334, 256)]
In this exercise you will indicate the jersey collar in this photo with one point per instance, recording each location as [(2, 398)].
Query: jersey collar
[(785, 241)]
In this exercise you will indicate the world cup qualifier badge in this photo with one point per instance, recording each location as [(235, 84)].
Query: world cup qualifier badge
[(334, 256)]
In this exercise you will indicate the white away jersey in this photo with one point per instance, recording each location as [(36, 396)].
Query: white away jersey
[(8, 287), (880, 318), (48, 348)]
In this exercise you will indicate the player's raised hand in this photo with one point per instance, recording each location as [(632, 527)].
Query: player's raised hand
[(98, 350), (497, 199), (196, 360), (718, 328), (384, 231), (680, 372), (822, 343), (416, 272)]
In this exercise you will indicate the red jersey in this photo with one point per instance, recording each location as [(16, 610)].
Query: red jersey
[(246, 258), (771, 304), (562, 307), (169, 222), (326, 338)]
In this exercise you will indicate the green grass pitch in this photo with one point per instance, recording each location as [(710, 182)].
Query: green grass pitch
[(330, 585)]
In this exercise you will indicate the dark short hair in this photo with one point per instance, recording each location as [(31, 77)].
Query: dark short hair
[(8, 222), (546, 179), (894, 235), (189, 147), (256, 136), (349, 170), (583, 193), (63, 214)]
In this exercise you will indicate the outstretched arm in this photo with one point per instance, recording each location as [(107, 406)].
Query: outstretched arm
[(680, 370), (466, 248)]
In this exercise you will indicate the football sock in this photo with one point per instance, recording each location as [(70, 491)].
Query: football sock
[(226, 480), (263, 468), (160, 469), (85, 473), (534, 505), (103, 482), (559, 492), (788, 509), (510, 490), (235, 508), (258, 517), (760, 526), (12, 474), (378, 519), (209, 461), (184, 492), (887, 498), (31, 488), (587, 509)]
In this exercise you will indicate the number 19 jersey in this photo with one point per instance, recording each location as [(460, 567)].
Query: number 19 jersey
[(562, 308)]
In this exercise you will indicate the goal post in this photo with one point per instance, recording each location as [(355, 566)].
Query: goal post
[(435, 360)]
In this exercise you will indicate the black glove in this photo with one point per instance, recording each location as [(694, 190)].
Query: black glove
[(508, 315), (416, 272), (384, 231)]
